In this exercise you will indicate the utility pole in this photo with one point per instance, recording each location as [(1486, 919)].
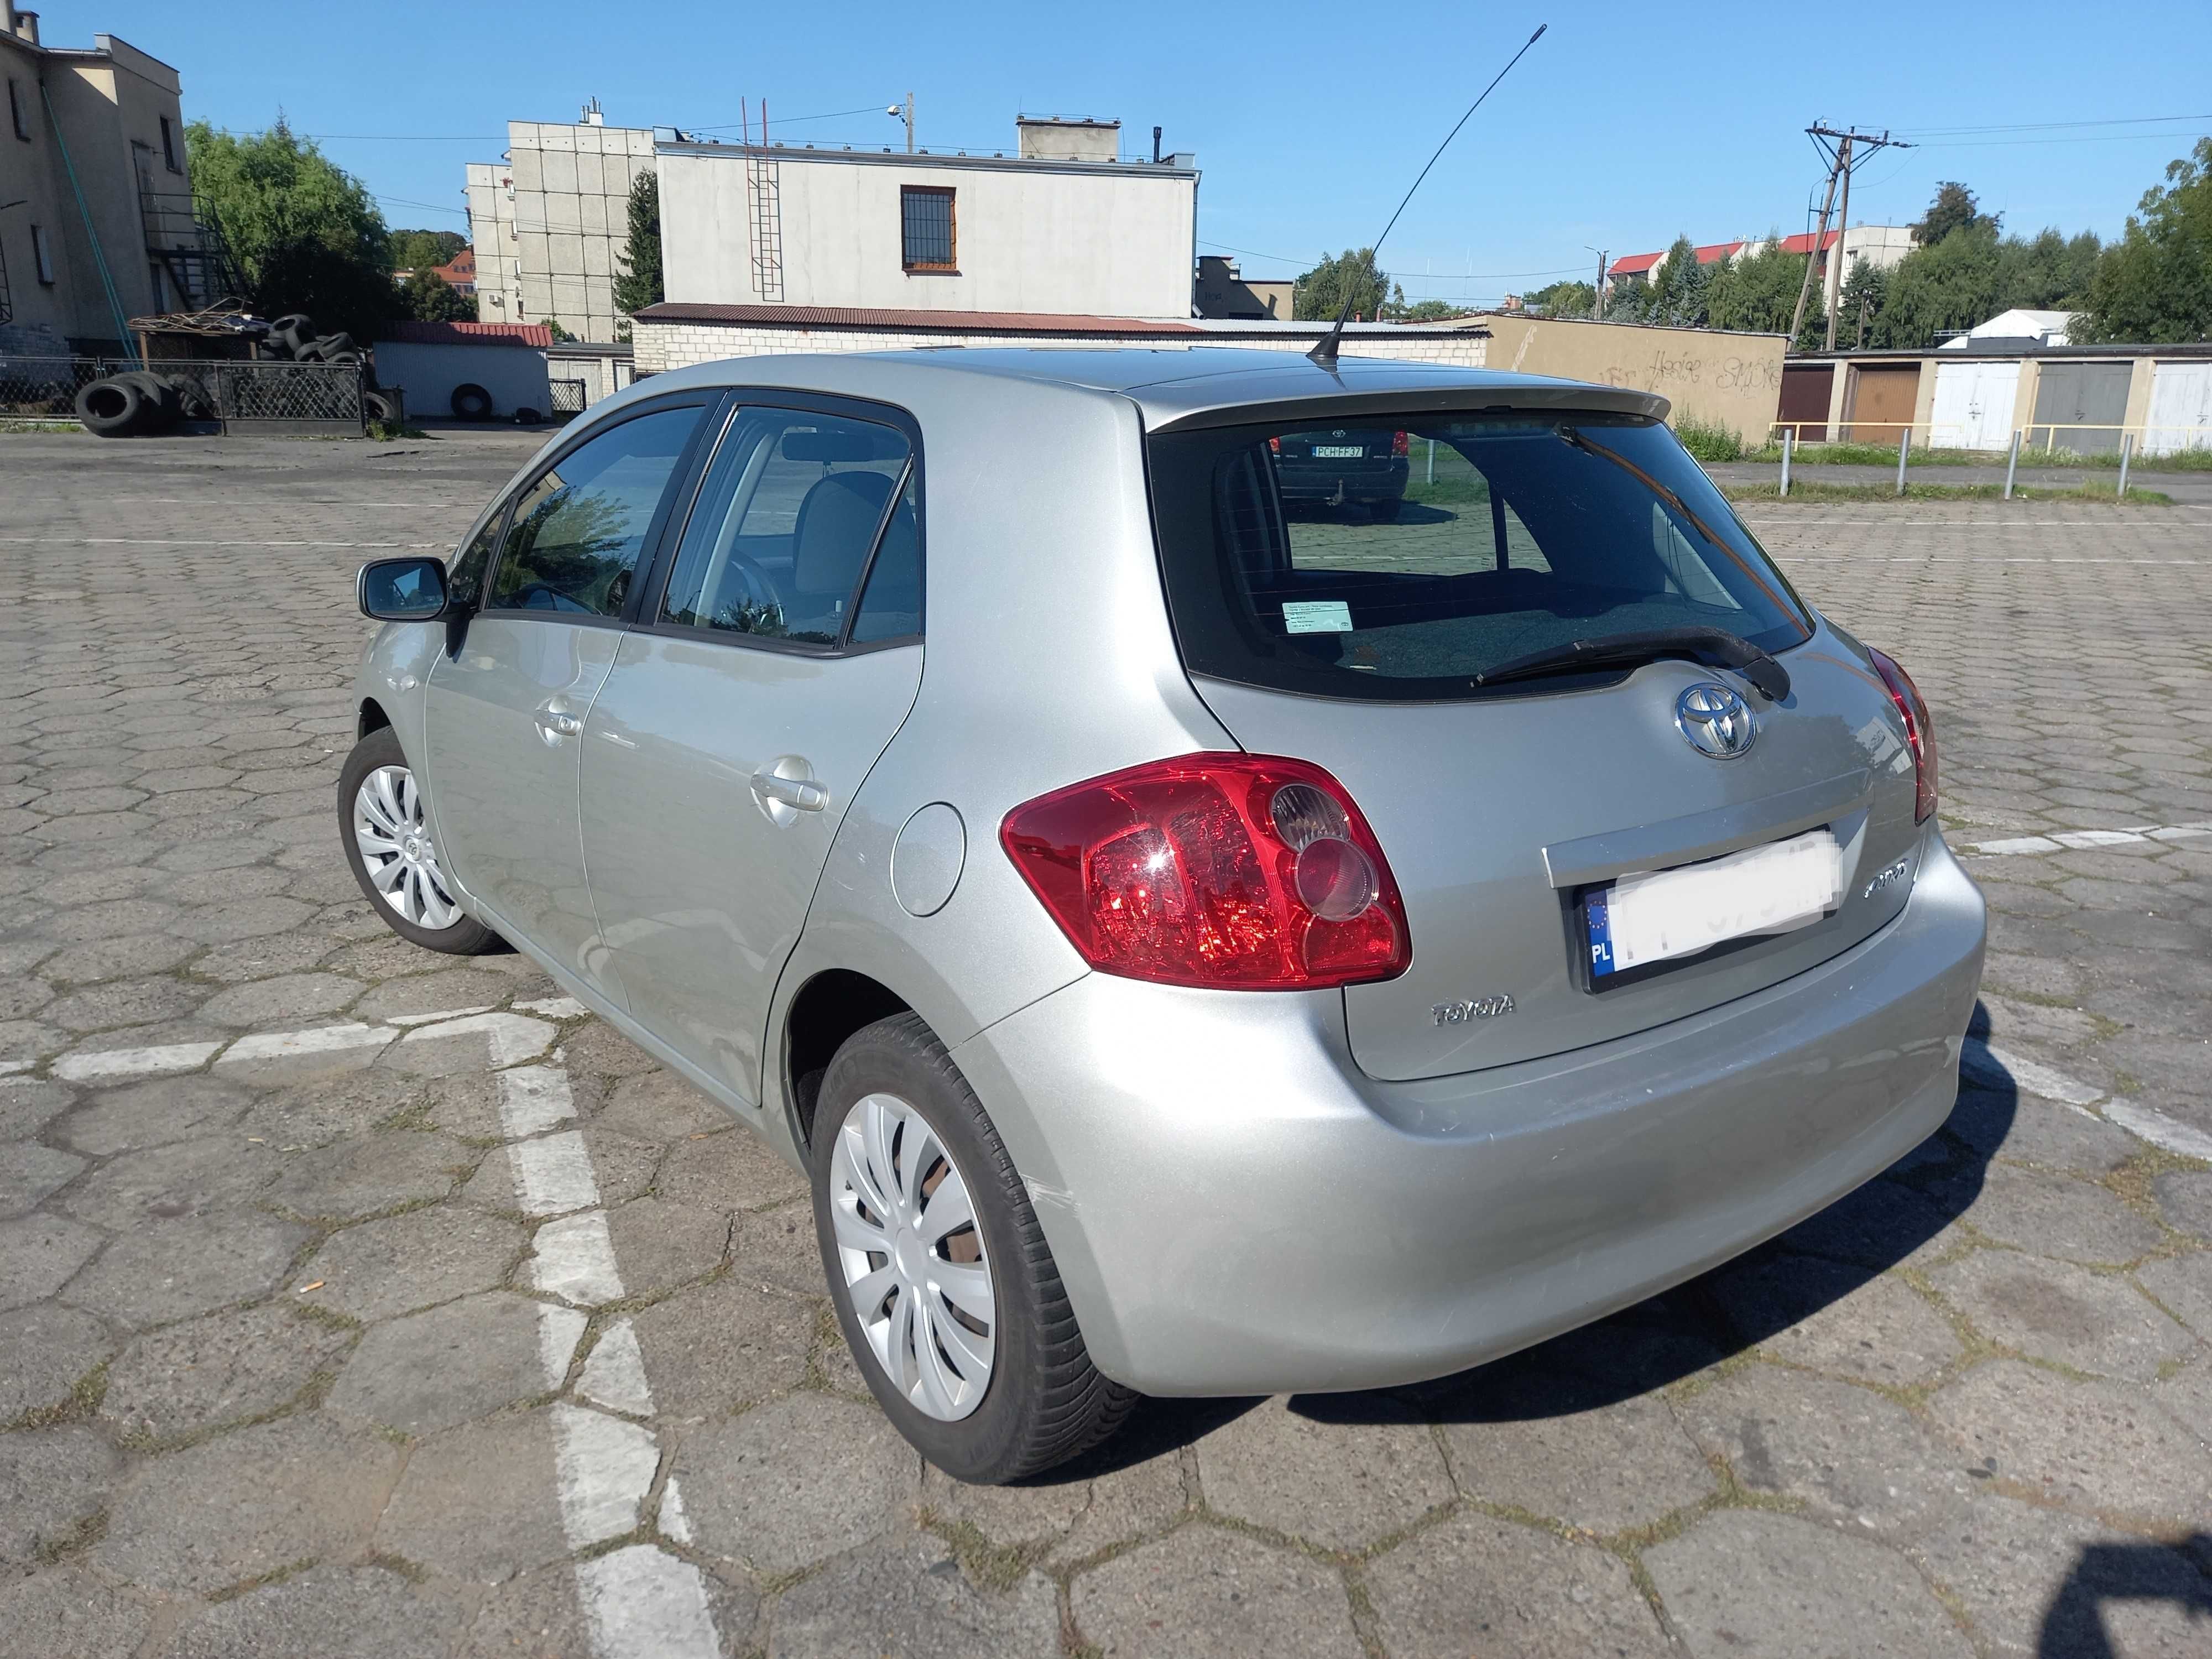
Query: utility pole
[(1597, 310), (907, 110), (1844, 151)]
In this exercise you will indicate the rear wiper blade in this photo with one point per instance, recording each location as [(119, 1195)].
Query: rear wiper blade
[(1699, 644)]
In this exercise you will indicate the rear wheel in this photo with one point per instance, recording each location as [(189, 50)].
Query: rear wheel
[(941, 1277), (387, 833)]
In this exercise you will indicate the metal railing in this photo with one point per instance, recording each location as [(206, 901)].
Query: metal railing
[(2174, 441), (2052, 437)]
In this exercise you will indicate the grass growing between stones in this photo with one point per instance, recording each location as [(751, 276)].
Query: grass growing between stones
[(78, 1405)]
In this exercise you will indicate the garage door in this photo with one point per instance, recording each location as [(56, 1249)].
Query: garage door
[(1883, 398), (1804, 404), (1974, 405), (2080, 406), (2180, 409)]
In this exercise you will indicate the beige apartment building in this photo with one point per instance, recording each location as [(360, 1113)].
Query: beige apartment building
[(96, 220), (549, 219)]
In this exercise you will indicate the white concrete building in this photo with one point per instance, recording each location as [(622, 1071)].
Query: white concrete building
[(551, 221), (1060, 227)]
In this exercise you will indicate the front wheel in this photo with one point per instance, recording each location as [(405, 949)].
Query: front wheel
[(387, 840), (941, 1276)]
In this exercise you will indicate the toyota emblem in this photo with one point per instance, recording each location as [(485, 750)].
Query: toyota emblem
[(1716, 720)]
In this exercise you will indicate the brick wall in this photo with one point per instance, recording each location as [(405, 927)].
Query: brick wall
[(663, 346)]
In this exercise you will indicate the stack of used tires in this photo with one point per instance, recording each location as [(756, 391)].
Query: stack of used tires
[(140, 403)]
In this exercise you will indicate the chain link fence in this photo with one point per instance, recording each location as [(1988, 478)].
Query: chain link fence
[(45, 388)]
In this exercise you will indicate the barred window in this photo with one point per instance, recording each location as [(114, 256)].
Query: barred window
[(928, 238)]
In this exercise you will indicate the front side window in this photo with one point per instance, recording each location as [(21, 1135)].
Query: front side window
[(466, 580), (928, 235), (788, 518), (1358, 561), (42, 255), (576, 536)]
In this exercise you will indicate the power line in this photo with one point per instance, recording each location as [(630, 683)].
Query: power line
[(2053, 126)]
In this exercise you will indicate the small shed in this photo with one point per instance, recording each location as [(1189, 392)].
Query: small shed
[(433, 363)]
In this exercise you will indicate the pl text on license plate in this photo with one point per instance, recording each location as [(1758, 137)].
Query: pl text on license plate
[(1338, 451), (1664, 914)]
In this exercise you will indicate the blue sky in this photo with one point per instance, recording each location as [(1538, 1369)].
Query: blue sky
[(1625, 125)]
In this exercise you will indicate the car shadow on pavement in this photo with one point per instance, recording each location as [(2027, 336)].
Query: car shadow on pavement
[(1667, 1337), (2074, 1624)]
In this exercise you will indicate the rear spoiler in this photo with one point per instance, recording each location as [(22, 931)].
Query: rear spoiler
[(1528, 397)]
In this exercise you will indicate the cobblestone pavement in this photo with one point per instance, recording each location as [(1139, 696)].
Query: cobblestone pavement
[(482, 1336)]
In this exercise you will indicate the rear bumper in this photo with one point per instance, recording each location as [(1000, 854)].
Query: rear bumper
[(1350, 481), (1236, 1209)]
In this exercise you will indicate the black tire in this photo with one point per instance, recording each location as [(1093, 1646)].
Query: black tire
[(164, 405), (1045, 1402), (1387, 512), (111, 408), (470, 402), (379, 408), (290, 335), (466, 936)]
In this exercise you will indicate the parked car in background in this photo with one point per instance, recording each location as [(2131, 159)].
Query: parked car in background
[(1242, 950), (1343, 466)]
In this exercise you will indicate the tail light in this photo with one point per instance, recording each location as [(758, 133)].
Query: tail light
[(1401, 443), (1237, 872), (1919, 731)]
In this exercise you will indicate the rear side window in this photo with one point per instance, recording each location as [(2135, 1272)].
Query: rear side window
[(786, 521), (575, 535), (1401, 558)]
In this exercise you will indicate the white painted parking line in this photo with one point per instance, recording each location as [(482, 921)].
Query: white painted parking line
[(2061, 840), (1993, 1067), (110, 1065), (640, 1601)]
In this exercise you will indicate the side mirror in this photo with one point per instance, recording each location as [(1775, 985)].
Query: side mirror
[(401, 590)]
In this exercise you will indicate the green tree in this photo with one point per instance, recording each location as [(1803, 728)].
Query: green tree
[(559, 332), (1563, 299), (1319, 294), (1953, 208), (1675, 296), (1428, 311), (1757, 292), (2154, 285), (1865, 291), (427, 296), (1951, 284), (422, 250), (306, 233), (638, 284)]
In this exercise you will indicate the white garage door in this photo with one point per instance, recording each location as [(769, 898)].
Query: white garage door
[(2180, 408), (1974, 405)]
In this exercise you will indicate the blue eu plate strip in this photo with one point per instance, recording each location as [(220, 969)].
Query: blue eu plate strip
[(1595, 907)]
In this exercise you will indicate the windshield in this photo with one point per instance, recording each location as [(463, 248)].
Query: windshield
[(1401, 556)]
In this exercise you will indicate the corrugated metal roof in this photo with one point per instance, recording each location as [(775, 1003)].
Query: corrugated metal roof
[(933, 322), (409, 332)]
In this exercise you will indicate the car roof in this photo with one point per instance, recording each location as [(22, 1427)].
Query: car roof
[(1213, 385)]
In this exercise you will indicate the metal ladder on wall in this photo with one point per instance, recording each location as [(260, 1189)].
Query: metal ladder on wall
[(767, 227)]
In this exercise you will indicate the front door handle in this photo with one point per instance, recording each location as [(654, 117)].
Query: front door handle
[(803, 794), (556, 722)]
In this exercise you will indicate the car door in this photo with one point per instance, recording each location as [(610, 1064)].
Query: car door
[(778, 660), (504, 711)]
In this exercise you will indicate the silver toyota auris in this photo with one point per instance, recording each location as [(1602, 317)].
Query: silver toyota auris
[(1200, 936)]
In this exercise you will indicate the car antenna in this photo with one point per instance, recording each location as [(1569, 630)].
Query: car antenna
[(1325, 353)]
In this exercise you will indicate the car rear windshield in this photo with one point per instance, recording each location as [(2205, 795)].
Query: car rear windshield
[(1401, 556)]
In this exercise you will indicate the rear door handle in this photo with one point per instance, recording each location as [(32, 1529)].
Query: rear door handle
[(803, 794), (555, 722)]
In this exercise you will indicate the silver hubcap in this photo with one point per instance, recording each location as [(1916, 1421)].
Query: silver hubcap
[(397, 851), (916, 1272)]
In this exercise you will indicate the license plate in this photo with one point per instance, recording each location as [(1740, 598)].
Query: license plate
[(1666, 914), (1338, 451)]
